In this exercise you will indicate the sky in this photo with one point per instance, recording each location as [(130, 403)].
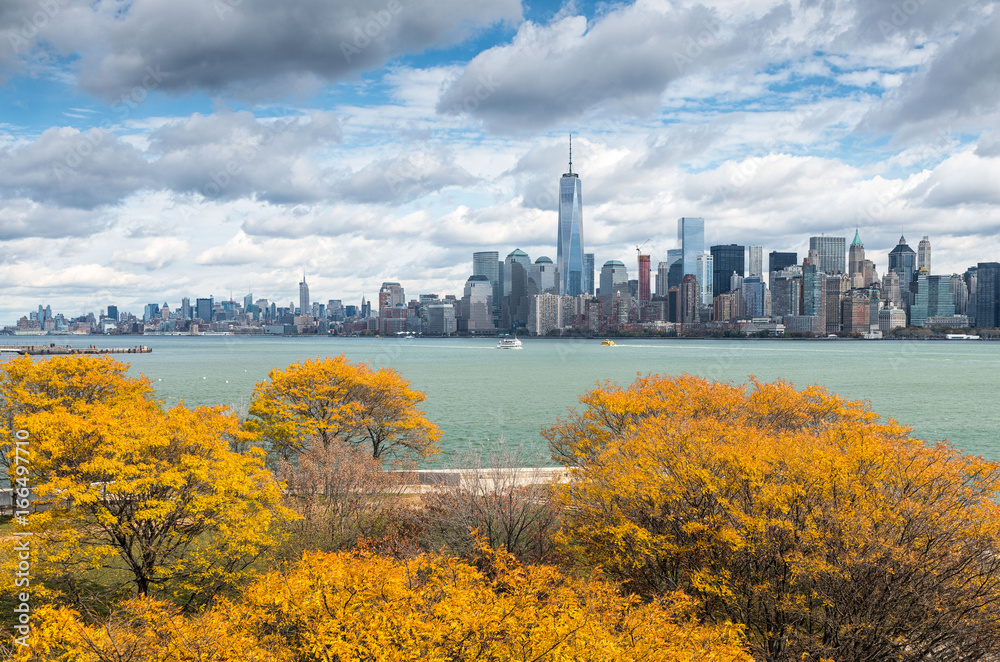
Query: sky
[(157, 149)]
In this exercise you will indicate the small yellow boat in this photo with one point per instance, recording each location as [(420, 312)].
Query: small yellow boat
[(608, 343)]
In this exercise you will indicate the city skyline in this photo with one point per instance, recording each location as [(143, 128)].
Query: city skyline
[(168, 150)]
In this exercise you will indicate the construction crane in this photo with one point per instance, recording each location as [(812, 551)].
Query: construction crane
[(638, 249)]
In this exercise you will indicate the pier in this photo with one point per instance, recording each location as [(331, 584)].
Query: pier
[(53, 349)]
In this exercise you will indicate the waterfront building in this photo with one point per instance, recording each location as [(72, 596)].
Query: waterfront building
[(831, 252), (924, 254), (727, 259), (988, 295), (644, 295), (546, 313), (691, 236), (777, 260), (856, 314), (614, 282), (932, 298), (112, 313), (890, 319), (569, 251), (705, 276), (441, 319), (756, 261)]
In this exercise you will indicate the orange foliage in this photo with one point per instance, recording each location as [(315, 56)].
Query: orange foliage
[(343, 403), (823, 530), (362, 607)]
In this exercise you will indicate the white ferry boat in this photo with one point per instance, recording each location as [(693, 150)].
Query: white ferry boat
[(509, 343)]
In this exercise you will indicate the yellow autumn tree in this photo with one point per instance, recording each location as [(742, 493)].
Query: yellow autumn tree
[(337, 401), (135, 498), (825, 531), (358, 606)]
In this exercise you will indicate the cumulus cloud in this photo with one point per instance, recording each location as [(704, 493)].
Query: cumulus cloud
[(71, 168), (404, 177), (625, 59), (156, 254), (258, 47), (959, 86), (21, 218)]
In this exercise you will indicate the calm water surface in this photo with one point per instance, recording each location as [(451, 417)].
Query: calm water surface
[(478, 394)]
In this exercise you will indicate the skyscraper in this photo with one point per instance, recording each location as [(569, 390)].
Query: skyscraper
[(776, 260), (725, 260), (569, 255), (643, 279), (487, 263), (614, 282), (303, 297), (903, 260), (691, 236), (588, 273), (988, 295), (924, 254), (756, 261), (831, 253), (705, 275)]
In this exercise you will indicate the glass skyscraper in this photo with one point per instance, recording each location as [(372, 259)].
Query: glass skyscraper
[(569, 255), (691, 236)]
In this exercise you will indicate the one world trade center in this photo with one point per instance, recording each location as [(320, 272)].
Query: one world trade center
[(569, 252)]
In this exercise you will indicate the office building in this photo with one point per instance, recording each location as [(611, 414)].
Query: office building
[(705, 275), (112, 313), (688, 297), (542, 277), (726, 259), (514, 307), (903, 261), (831, 252), (569, 255), (662, 271), (691, 236), (588, 273), (614, 283), (756, 261), (303, 296), (754, 293), (777, 260), (988, 295), (924, 254), (487, 263), (932, 298), (477, 306), (205, 309)]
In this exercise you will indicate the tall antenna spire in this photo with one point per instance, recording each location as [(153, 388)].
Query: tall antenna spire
[(571, 152)]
